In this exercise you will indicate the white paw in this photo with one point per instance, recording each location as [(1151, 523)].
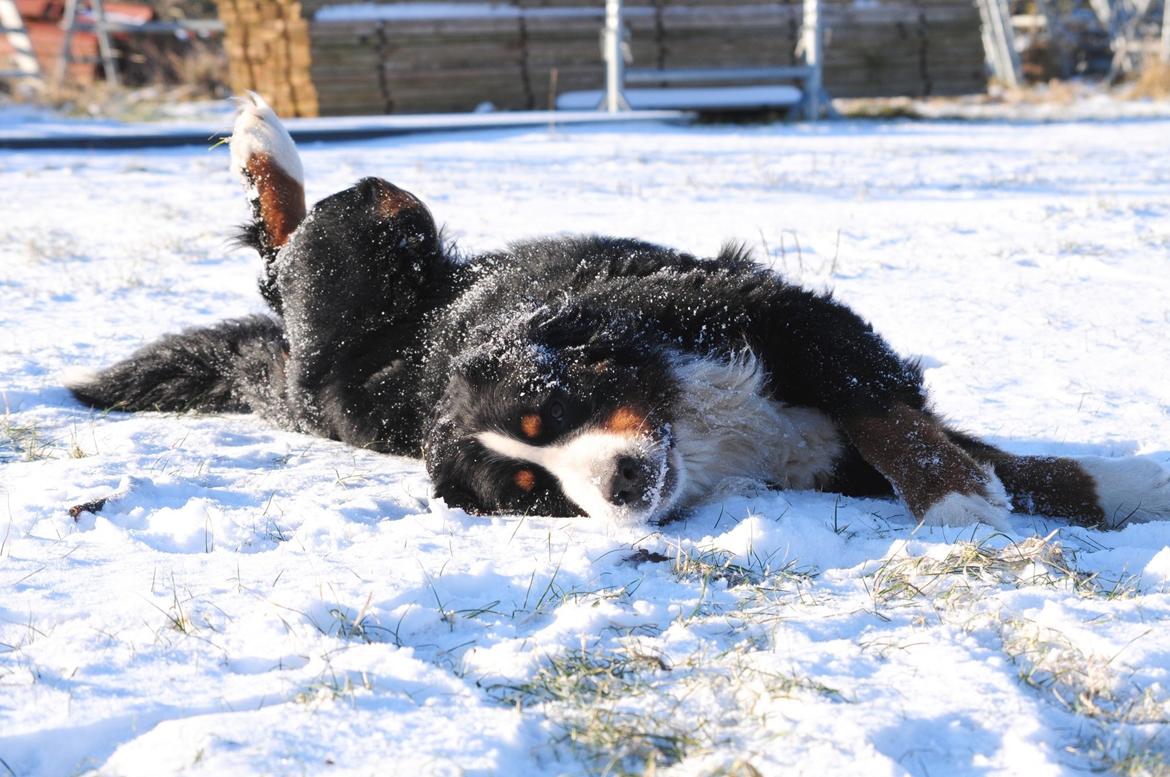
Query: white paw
[(258, 132), (1129, 490), (964, 510), (956, 509)]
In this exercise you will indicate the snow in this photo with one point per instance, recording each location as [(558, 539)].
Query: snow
[(24, 129), (260, 602), (691, 98)]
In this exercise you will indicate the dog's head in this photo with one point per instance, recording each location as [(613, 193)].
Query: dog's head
[(552, 413)]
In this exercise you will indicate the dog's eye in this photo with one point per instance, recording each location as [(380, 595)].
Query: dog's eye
[(556, 411)]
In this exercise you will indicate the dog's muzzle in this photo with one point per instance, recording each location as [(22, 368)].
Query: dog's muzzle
[(613, 476)]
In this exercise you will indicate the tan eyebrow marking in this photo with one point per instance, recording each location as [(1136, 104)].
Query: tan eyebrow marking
[(530, 425), (624, 419), (525, 479)]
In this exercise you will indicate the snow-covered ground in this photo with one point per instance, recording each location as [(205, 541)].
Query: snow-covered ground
[(259, 602)]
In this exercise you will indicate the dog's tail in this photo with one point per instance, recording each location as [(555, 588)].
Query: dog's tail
[(265, 160), (234, 366)]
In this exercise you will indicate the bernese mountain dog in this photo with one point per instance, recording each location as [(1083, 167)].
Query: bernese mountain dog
[(580, 375)]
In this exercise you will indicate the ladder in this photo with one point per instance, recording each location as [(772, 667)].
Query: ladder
[(706, 88), (1129, 27), (25, 60), (999, 42), (71, 25)]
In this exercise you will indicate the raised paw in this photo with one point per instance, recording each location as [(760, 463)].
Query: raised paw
[(265, 160)]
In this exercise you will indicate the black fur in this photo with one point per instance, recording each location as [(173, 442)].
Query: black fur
[(234, 366), (388, 339)]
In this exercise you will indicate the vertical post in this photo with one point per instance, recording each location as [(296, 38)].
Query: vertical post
[(103, 35), (106, 51), (999, 41), (69, 22), (614, 64), (813, 58), (12, 26), (1165, 53)]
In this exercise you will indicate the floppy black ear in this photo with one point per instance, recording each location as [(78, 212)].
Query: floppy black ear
[(450, 464)]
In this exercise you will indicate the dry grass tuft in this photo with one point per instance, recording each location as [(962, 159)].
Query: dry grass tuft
[(588, 694), (969, 567), (1153, 83), (1084, 684), (23, 442)]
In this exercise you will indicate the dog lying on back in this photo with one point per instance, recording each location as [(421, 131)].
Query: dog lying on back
[(580, 375)]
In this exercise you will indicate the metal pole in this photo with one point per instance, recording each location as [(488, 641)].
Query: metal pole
[(1166, 32), (813, 58), (103, 36), (13, 26), (999, 41), (1006, 41), (614, 64), (68, 21)]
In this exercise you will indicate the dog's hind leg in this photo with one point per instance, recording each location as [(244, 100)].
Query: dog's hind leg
[(237, 365), (1089, 490), (353, 281), (265, 160)]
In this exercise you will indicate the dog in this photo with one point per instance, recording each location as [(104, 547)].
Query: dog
[(594, 376)]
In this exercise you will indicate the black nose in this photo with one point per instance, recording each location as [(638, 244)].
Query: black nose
[(631, 482)]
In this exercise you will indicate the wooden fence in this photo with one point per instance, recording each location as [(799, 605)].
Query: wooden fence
[(317, 57)]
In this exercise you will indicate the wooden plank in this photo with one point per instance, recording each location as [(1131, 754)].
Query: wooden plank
[(446, 63)]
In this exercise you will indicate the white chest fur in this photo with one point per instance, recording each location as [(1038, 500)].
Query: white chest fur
[(727, 430)]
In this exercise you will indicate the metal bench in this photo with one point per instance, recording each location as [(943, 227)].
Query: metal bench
[(711, 89)]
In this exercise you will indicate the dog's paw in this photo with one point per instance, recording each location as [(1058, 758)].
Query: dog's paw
[(265, 160), (966, 509), (258, 134), (991, 507), (1129, 490)]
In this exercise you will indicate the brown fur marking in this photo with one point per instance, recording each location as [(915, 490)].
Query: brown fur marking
[(1052, 486), (530, 425), (624, 419), (282, 198), (392, 200), (1045, 485), (912, 450), (524, 479)]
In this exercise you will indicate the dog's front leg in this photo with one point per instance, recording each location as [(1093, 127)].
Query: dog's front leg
[(939, 481)]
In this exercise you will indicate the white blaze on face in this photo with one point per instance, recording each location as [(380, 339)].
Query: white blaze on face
[(585, 465)]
